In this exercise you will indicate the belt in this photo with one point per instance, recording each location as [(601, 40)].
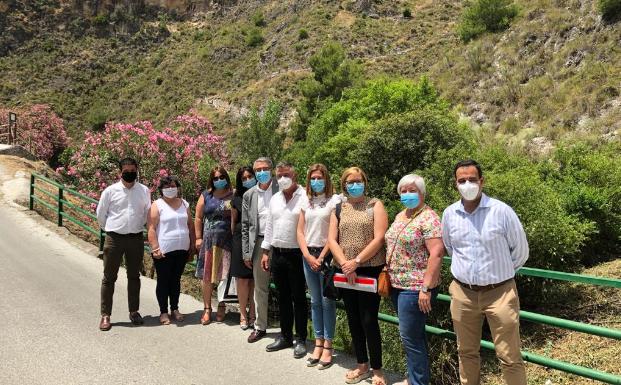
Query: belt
[(281, 250), (123, 235), (484, 287)]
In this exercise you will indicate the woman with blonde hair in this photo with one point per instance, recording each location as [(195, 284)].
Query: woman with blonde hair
[(213, 237), (312, 235), (356, 239)]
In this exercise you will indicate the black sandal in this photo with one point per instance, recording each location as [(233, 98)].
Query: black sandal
[(310, 361), (325, 365)]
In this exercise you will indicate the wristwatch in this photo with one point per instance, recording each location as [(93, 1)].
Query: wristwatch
[(357, 260), (424, 289)]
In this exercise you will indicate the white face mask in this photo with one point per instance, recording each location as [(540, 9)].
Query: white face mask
[(284, 183), (469, 191), (170, 192)]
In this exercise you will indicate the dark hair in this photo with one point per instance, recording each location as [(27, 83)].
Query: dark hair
[(127, 162), (468, 163), (222, 171), (239, 184), (166, 181)]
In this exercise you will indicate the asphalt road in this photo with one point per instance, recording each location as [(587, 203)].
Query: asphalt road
[(49, 296)]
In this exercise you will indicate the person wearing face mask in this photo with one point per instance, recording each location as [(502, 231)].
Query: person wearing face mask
[(214, 238), (356, 239), (245, 180), (172, 238), (122, 213), (415, 250), (312, 235), (286, 260), (487, 244), (255, 204)]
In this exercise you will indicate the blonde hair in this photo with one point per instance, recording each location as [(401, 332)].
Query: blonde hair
[(354, 170), (326, 176)]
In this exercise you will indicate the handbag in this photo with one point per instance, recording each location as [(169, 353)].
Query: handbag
[(329, 290), (383, 280)]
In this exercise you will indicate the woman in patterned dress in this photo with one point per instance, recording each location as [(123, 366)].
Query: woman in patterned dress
[(414, 258), (214, 238)]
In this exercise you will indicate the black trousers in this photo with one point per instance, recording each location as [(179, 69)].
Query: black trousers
[(288, 273), (169, 270), (361, 308)]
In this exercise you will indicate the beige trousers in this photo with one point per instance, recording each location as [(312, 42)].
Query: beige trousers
[(501, 307), (261, 288)]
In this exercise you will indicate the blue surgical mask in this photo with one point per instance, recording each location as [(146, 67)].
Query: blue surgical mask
[(410, 200), (318, 185), (355, 190), (263, 176), (220, 184), (249, 183)]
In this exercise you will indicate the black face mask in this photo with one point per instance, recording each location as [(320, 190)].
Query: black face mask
[(129, 176)]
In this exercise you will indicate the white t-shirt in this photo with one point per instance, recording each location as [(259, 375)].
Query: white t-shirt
[(317, 219), (263, 205), (172, 231)]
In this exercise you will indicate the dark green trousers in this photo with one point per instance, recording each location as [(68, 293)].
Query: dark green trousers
[(115, 247)]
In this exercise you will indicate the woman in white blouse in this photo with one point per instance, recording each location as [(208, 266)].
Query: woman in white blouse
[(312, 235), (171, 236)]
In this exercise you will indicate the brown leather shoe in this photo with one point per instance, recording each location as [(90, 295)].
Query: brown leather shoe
[(256, 335), (104, 324)]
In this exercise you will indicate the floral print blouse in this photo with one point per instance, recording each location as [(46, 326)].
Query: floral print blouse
[(407, 263)]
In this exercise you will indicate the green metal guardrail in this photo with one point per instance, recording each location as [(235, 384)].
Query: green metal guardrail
[(61, 209)]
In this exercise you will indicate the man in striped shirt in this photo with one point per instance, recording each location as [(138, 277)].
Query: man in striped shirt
[(488, 245)]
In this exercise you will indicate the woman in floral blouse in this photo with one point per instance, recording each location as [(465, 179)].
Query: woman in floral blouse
[(414, 257)]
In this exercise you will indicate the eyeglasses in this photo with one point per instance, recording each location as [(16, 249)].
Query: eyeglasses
[(352, 182)]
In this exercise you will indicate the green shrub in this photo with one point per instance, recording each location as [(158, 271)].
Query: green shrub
[(407, 13), (610, 9), (259, 135), (254, 37), (486, 15), (302, 34), (100, 20), (258, 20)]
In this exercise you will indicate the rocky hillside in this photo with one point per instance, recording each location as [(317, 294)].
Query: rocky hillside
[(553, 73)]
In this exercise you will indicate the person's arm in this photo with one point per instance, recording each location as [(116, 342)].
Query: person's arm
[(245, 230), (266, 245), (313, 262), (147, 206), (516, 239), (198, 222), (380, 225), (192, 250), (153, 220), (102, 209), (234, 216), (432, 274), (333, 240), (446, 237)]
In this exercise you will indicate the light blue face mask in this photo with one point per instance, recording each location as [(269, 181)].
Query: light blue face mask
[(220, 184), (355, 190), (263, 176), (410, 200), (249, 183), (318, 185)]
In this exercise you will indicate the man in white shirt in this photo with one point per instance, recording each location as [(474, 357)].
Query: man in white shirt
[(286, 264), (488, 245), (255, 204), (122, 213)]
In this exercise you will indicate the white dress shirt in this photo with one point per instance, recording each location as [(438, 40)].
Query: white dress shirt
[(488, 245), (122, 210), (282, 220), (317, 219), (263, 204)]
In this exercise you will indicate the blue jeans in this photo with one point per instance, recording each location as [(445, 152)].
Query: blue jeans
[(412, 331), (323, 310)]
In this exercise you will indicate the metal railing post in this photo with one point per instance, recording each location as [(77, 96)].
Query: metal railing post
[(60, 206), (32, 191)]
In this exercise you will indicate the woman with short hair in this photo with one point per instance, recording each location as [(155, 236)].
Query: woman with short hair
[(214, 238), (415, 249), (356, 238), (312, 236), (171, 237)]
